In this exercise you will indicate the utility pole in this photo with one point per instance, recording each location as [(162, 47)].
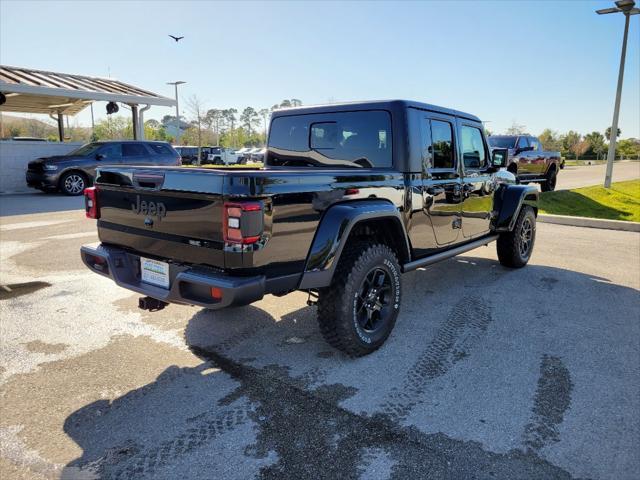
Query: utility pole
[(627, 8), (175, 84)]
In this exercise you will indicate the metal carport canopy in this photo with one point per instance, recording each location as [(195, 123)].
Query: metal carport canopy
[(37, 91)]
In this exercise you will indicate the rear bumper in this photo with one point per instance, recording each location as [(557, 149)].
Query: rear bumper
[(42, 180), (188, 285)]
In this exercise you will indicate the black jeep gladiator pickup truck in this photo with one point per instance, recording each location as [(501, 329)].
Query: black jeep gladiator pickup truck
[(351, 196)]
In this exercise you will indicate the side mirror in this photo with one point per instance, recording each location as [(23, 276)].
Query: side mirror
[(499, 158), (525, 149), (99, 156)]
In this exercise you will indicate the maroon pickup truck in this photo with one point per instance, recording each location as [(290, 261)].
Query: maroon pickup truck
[(528, 161)]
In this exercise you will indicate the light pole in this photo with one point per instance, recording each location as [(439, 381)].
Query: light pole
[(175, 84), (627, 8)]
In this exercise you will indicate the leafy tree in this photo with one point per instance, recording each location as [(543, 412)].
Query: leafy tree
[(580, 148), (264, 113), (607, 133), (568, 141), (550, 140), (249, 118), (628, 148), (597, 144), (215, 120), (198, 113), (114, 128)]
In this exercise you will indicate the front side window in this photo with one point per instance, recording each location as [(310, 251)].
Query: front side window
[(473, 152), (535, 144), (345, 139), (133, 150), (442, 144), (86, 150)]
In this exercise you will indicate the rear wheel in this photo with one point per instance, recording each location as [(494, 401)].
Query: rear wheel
[(357, 312), (515, 247), (73, 183), (549, 185)]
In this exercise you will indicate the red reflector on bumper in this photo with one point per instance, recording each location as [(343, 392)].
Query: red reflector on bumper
[(216, 293)]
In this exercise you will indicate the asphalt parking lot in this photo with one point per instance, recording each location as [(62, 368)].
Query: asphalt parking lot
[(489, 373)]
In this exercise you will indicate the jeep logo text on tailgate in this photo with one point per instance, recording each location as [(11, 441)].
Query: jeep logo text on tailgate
[(157, 209)]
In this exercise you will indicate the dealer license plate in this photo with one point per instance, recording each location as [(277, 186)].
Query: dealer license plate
[(154, 272)]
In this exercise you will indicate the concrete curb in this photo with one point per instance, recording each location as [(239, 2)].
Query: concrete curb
[(590, 222)]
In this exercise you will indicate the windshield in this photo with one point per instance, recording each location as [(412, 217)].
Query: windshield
[(88, 149), (343, 139), (502, 141)]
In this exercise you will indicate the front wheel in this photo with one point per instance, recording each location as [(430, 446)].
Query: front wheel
[(73, 183), (515, 247), (357, 312), (550, 184)]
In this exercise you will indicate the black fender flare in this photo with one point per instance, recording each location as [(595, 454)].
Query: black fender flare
[(332, 234), (508, 202)]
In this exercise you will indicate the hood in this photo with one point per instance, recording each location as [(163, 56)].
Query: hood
[(58, 159)]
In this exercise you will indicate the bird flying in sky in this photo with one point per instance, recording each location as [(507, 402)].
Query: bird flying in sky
[(176, 38)]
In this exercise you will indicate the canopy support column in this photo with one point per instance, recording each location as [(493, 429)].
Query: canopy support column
[(134, 114), (61, 126)]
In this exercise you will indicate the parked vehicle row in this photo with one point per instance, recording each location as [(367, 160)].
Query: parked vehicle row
[(73, 172), (351, 196)]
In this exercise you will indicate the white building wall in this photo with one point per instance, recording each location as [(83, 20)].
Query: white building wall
[(14, 157)]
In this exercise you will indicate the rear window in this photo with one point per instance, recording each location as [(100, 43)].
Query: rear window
[(502, 142), (349, 139), (160, 149), (133, 150)]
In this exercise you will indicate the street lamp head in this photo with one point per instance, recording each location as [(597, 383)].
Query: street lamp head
[(623, 6), (179, 82)]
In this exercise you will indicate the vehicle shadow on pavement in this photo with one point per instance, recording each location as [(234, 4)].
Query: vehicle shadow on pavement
[(225, 417)]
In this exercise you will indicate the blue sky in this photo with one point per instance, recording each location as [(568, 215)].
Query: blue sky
[(540, 63)]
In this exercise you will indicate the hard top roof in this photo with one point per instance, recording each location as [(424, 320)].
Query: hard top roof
[(391, 105)]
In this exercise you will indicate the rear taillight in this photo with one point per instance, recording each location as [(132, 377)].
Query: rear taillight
[(243, 222), (91, 207)]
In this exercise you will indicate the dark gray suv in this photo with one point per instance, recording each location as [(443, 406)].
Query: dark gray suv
[(72, 172)]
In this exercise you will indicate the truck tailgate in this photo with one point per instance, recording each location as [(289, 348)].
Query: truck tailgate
[(146, 210)]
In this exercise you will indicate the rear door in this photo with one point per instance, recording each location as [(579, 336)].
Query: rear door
[(525, 166), (537, 157), (477, 182), (441, 184), (136, 154), (163, 154)]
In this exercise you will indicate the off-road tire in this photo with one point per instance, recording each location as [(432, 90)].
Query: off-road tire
[(549, 185), (73, 183), (510, 244), (337, 304)]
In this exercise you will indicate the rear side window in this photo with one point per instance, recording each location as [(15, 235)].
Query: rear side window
[(111, 150), (133, 149), (350, 139), (160, 149), (522, 142), (534, 143), (442, 142), (473, 153)]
